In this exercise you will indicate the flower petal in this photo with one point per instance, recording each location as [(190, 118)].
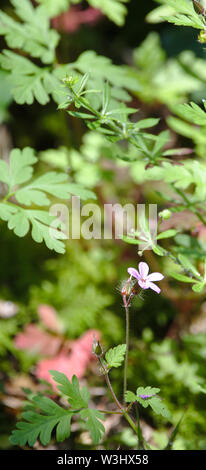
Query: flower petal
[(133, 272), (155, 277), (143, 269), (153, 286), (143, 284)]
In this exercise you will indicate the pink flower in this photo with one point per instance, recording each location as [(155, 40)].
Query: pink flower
[(145, 280)]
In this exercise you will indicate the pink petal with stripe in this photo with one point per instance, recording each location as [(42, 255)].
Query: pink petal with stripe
[(155, 277), (133, 272), (144, 284), (153, 286), (143, 269)]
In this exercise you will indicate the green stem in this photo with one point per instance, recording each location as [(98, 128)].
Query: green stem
[(177, 261), (110, 412), (127, 343), (190, 205), (109, 384), (7, 196), (130, 421), (123, 411), (140, 436)]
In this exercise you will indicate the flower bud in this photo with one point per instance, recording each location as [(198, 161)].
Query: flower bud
[(70, 80), (97, 348), (165, 214), (202, 36)]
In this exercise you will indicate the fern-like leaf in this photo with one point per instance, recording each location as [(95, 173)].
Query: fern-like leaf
[(183, 14), (31, 33), (114, 9), (93, 423), (42, 415), (76, 397), (16, 176), (40, 426)]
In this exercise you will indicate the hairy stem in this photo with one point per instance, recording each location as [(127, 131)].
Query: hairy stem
[(123, 411), (127, 343)]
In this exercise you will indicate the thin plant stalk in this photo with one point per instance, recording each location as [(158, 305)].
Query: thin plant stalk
[(139, 431), (123, 411), (126, 305)]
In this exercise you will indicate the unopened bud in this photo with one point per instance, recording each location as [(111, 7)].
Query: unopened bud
[(97, 348), (202, 36), (165, 214), (70, 81)]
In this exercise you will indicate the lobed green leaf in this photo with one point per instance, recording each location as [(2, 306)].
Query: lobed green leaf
[(115, 356)]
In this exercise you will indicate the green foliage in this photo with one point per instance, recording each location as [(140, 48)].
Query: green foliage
[(178, 369), (187, 264), (146, 240), (113, 122), (192, 113), (99, 69), (90, 273), (44, 226), (181, 277), (28, 81), (167, 234), (147, 397), (174, 434), (181, 13), (115, 356), (56, 7), (76, 398), (114, 9), (183, 371), (123, 159), (40, 425), (146, 391), (83, 162), (162, 79), (32, 34), (20, 169), (93, 423), (192, 172), (5, 96)]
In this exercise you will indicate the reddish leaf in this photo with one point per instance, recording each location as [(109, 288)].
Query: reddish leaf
[(180, 220), (38, 341), (69, 364), (72, 19), (49, 318), (83, 345), (200, 232)]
